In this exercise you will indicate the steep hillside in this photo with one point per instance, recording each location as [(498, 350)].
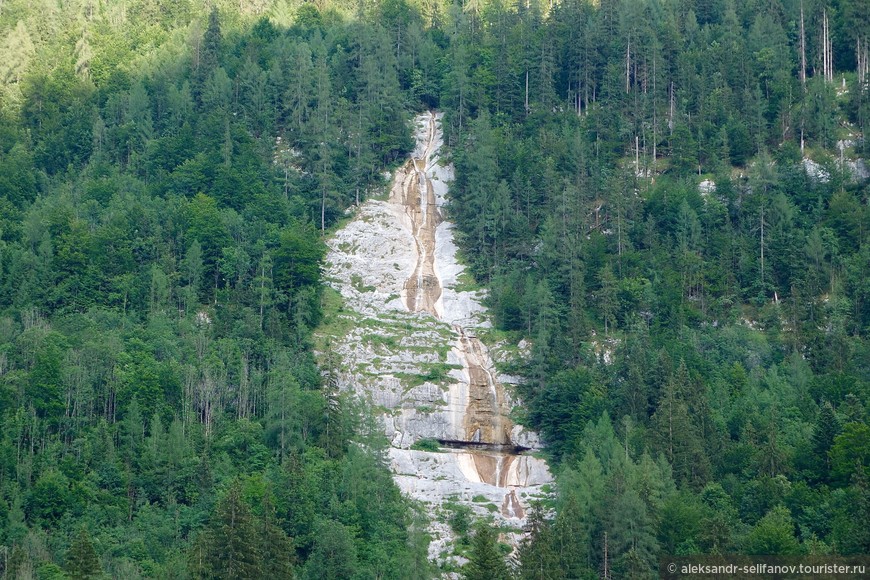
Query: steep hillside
[(405, 339)]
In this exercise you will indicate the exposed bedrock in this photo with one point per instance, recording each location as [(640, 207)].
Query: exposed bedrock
[(407, 339)]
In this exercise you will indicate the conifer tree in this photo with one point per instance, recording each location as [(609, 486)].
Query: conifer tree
[(228, 548), (538, 559), (826, 430), (276, 549), (484, 562), (81, 559), (209, 54), (334, 554)]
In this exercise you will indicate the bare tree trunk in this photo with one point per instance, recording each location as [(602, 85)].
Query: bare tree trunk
[(636, 156), (262, 292), (830, 50), (827, 50), (527, 92), (828, 72), (803, 71), (586, 75), (865, 64), (824, 48), (858, 60), (762, 245), (655, 118), (245, 388), (619, 235), (861, 56), (283, 420)]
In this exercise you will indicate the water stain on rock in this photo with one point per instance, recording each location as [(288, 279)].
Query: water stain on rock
[(416, 320)]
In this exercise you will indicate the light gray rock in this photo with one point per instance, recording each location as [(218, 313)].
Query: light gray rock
[(815, 171), (707, 187), (858, 169), (417, 368)]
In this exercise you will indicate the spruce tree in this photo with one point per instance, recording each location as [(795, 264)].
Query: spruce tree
[(81, 559), (538, 558), (484, 562), (861, 513), (826, 429), (228, 548), (276, 549), (334, 554), (209, 54)]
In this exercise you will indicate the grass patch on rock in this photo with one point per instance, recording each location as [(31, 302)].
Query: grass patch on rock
[(426, 444), (357, 282)]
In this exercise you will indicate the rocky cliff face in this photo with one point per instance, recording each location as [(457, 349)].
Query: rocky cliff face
[(407, 341)]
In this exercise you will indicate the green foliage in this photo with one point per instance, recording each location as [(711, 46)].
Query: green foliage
[(228, 547), (164, 173), (50, 498), (561, 410), (485, 562), (851, 451), (45, 382), (297, 262), (334, 554), (459, 520), (538, 555), (430, 445), (773, 535), (81, 558), (714, 325), (159, 280), (826, 429), (276, 549)]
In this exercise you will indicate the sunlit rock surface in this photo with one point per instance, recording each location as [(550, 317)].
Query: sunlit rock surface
[(407, 341)]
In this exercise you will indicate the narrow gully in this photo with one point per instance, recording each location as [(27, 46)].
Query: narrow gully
[(486, 426)]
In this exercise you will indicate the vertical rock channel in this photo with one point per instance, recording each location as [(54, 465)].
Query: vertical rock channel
[(413, 351), (485, 421), (417, 195)]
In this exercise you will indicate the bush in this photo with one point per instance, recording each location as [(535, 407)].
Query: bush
[(430, 445)]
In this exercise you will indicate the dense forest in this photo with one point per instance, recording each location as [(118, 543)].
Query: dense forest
[(631, 188), (164, 177), (659, 196)]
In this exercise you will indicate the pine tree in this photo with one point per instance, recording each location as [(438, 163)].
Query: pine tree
[(16, 528), (675, 426), (861, 514), (276, 549), (334, 553), (484, 562), (581, 493), (209, 54), (825, 431), (81, 559), (538, 559), (18, 50), (607, 298), (632, 542), (228, 548)]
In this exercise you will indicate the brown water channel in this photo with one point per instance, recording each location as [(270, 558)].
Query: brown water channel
[(486, 428)]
